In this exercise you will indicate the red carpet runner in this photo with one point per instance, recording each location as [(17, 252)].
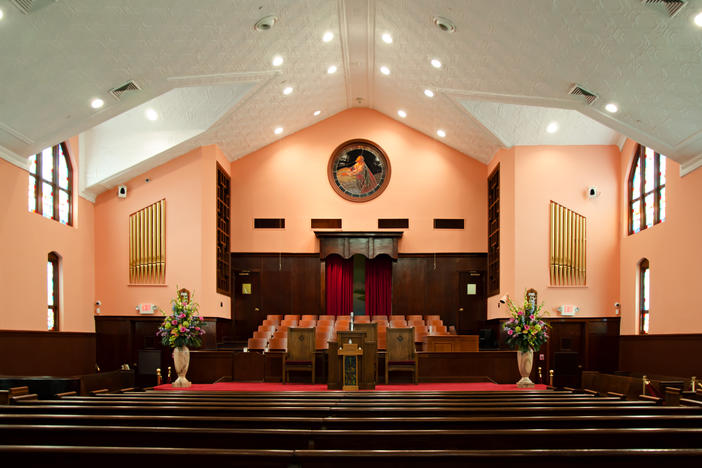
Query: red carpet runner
[(279, 387)]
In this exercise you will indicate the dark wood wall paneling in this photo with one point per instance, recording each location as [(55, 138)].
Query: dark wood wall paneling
[(393, 223), (269, 223), (575, 344), (60, 354), (281, 284), (428, 284), (292, 284), (675, 355), (449, 223), (121, 340), (331, 223)]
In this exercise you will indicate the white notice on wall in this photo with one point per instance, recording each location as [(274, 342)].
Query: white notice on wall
[(471, 289)]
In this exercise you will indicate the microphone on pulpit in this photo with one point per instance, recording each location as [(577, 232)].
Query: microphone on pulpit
[(351, 321)]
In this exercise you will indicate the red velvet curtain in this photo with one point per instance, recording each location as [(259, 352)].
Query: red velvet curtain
[(339, 285), (379, 285)]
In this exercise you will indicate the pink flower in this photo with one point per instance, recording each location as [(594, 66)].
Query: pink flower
[(182, 329), (526, 327), (174, 322), (197, 328), (520, 312), (531, 316), (510, 332)]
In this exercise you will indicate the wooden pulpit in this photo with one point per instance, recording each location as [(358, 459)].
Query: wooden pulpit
[(349, 354), (365, 363)]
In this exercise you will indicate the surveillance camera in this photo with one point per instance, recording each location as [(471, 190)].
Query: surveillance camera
[(593, 191), (617, 305), (147, 180), (98, 303), (122, 191), (503, 300)]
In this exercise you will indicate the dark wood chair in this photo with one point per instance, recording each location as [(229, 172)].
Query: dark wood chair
[(401, 355), (300, 354), (371, 331)]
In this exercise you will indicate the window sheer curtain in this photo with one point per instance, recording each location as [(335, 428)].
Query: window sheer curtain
[(339, 285), (379, 285)]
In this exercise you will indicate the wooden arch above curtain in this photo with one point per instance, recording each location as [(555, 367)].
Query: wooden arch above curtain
[(368, 244)]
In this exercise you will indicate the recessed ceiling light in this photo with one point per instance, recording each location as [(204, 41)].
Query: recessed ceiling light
[(277, 61), (552, 127), (402, 113), (698, 19), (611, 107), (387, 38), (288, 90), (436, 63), (445, 24), (331, 69), (1, 14), (441, 133), (266, 23), (97, 103), (384, 70), (428, 93), (278, 130), (151, 114), (317, 112), (328, 36)]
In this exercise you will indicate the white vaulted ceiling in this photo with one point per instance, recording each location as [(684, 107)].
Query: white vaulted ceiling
[(506, 72)]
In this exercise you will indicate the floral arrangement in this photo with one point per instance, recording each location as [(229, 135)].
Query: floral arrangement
[(182, 326), (526, 330)]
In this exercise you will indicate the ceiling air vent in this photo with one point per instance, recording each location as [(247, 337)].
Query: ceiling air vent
[(128, 87), (30, 6), (578, 90), (672, 7)]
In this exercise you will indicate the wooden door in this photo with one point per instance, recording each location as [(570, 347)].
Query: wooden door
[(246, 306), (566, 349), (472, 302)]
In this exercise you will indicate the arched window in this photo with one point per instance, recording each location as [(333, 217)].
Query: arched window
[(644, 296), (52, 292), (646, 189), (51, 184)]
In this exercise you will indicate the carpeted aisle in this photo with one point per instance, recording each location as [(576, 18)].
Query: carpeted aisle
[(279, 387)]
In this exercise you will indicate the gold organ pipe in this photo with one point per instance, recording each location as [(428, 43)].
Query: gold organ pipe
[(571, 219), (157, 240), (147, 240), (131, 249), (163, 241), (561, 246), (138, 246), (550, 262), (147, 244)]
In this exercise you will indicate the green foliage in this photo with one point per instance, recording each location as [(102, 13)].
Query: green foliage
[(526, 330)]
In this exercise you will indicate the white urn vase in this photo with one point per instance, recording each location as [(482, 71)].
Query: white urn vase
[(181, 360), (525, 361)]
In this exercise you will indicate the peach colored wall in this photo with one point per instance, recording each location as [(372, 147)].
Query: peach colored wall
[(27, 239), (288, 179), (187, 184), (674, 252), (505, 158), (218, 304), (562, 174)]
